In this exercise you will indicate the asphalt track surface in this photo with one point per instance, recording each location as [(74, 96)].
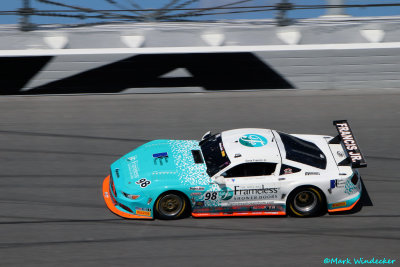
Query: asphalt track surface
[(56, 150)]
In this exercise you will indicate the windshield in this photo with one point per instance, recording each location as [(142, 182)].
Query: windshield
[(214, 154), (303, 151)]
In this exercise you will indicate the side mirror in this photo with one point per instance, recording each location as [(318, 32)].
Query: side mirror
[(206, 135), (219, 180)]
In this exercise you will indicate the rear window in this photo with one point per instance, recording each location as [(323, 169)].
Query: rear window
[(303, 151)]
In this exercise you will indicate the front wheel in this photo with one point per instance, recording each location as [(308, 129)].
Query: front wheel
[(306, 202), (171, 206)]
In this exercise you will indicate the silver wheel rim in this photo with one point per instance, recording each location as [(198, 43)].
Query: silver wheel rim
[(170, 205), (305, 201)]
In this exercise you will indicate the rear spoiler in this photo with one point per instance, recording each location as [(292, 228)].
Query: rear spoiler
[(345, 137)]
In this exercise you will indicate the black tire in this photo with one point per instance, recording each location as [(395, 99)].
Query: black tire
[(306, 201), (171, 206)]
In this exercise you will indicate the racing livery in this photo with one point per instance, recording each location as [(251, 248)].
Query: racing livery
[(242, 172)]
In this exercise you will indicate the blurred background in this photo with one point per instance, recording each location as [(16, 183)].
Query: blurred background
[(96, 11), (153, 46)]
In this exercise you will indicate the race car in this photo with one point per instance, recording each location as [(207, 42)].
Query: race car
[(241, 172)]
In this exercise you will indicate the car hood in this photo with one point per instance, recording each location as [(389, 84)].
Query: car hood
[(161, 161)]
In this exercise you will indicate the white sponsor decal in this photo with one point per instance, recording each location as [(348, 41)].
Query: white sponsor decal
[(133, 167), (349, 142)]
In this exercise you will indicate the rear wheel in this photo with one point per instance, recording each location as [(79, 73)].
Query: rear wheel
[(306, 202), (171, 206)]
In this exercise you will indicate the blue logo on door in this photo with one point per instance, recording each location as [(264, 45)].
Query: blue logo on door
[(253, 140)]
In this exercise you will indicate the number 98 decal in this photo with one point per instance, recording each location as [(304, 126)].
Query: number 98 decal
[(210, 196), (143, 182)]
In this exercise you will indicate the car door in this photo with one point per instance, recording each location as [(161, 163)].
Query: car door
[(246, 188)]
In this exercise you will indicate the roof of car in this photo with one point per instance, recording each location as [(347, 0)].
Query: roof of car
[(250, 145)]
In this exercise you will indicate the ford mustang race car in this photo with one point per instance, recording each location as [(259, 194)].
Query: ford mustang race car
[(242, 172)]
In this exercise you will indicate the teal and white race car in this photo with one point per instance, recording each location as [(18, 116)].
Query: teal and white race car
[(242, 172)]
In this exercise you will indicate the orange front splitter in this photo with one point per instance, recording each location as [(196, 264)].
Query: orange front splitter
[(111, 206)]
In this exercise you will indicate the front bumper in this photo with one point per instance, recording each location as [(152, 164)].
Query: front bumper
[(113, 207)]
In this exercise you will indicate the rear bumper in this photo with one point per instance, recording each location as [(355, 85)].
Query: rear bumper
[(348, 203), (112, 206), (344, 205)]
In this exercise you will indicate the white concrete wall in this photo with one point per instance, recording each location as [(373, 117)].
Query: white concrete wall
[(310, 55)]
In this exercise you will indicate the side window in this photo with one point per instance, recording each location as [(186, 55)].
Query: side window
[(286, 169), (251, 169)]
